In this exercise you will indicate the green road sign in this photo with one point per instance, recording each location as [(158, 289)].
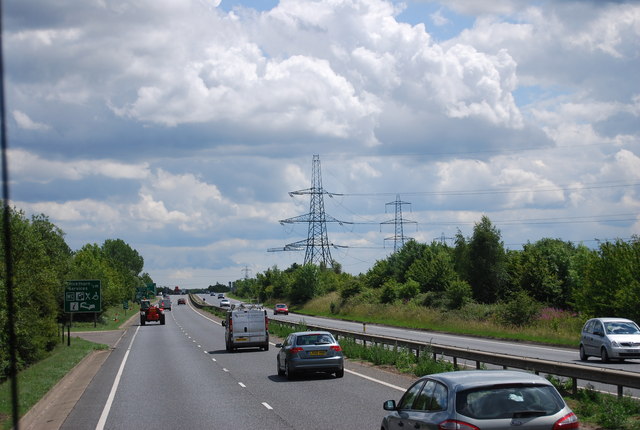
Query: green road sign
[(83, 296), (151, 290)]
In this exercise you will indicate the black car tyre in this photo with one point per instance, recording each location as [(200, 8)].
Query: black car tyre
[(340, 373), (280, 371), (604, 356), (583, 355), (288, 371), (162, 320)]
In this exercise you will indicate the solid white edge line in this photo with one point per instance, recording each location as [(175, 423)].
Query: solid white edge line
[(395, 387), (266, 405), (207, 318), (112, 394)]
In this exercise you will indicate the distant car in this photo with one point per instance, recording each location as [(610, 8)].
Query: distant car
[(225, 303), (608, 338), (220, 295), (182, 301), (165, 304), (480, 399), (310, 351), (212, 293), (280, 308)]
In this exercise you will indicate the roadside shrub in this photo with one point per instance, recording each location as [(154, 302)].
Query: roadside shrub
[(389, 294), (350, 289), (519, 311), (409, 289), (405, 360), (458, 294), (426, 365)]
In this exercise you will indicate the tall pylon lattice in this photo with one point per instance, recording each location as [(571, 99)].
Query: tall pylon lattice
[(398, 238), (317, 245)]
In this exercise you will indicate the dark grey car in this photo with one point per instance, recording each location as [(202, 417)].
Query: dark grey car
[(310, 351), (480, 399)]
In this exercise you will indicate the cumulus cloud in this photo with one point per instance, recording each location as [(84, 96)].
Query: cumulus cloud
[(182, 126), (23, 121)]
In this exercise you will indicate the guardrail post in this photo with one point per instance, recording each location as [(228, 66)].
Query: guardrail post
[(620, 394), (477, 365), (455, 363), (574, 386)]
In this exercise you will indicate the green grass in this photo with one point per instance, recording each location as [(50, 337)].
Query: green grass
[(559, 332), (35, 381)]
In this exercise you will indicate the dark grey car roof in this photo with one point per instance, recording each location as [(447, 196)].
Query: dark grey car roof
[(465, 379)]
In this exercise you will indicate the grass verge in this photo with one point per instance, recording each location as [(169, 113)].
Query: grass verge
[(559, 331), (35, 381), (111, 319)]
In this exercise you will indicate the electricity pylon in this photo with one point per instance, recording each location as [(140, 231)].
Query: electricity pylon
[(317, 243), (398, 238)]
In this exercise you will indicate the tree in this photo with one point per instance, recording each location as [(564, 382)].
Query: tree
[(305, 283), (39, 257), (486, 262), (545, 269)]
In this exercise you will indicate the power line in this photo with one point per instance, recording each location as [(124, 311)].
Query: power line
[(494, 191)]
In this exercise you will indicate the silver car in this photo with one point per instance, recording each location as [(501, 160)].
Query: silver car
[(310, 351), (608, 338), (480, 399)]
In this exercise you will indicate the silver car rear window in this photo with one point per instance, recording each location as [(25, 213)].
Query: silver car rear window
[(509, 401)]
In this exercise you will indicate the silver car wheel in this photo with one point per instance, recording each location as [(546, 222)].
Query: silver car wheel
[(583, 355)]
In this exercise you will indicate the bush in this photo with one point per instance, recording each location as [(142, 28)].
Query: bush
[(389, 293), (520, 310), (458, 294)]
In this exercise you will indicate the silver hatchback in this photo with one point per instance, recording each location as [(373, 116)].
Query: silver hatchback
[(608, 338), (480, 399)]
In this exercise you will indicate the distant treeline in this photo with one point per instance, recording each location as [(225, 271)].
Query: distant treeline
[(42, 263), (547, 273)]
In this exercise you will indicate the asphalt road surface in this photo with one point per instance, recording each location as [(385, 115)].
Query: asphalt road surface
[(180, 376)]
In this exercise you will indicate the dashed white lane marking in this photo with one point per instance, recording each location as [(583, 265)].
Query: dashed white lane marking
[(395, 387), (242, 385), (199, 346), (225, 369), (266, 405)]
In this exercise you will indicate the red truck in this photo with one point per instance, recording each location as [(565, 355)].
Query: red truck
[(149, 312)]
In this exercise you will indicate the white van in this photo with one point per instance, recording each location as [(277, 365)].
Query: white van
[(246, 326)]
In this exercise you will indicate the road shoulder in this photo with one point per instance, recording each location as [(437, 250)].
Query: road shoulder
[(52, 410)]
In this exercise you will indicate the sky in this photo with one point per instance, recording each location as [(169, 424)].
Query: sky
[(181, 126)]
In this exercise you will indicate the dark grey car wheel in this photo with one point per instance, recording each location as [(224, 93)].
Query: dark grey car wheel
[(604, 355), (280, 371), (287, 370)]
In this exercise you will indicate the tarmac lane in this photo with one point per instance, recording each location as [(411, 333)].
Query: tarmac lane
[(51, 412)]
